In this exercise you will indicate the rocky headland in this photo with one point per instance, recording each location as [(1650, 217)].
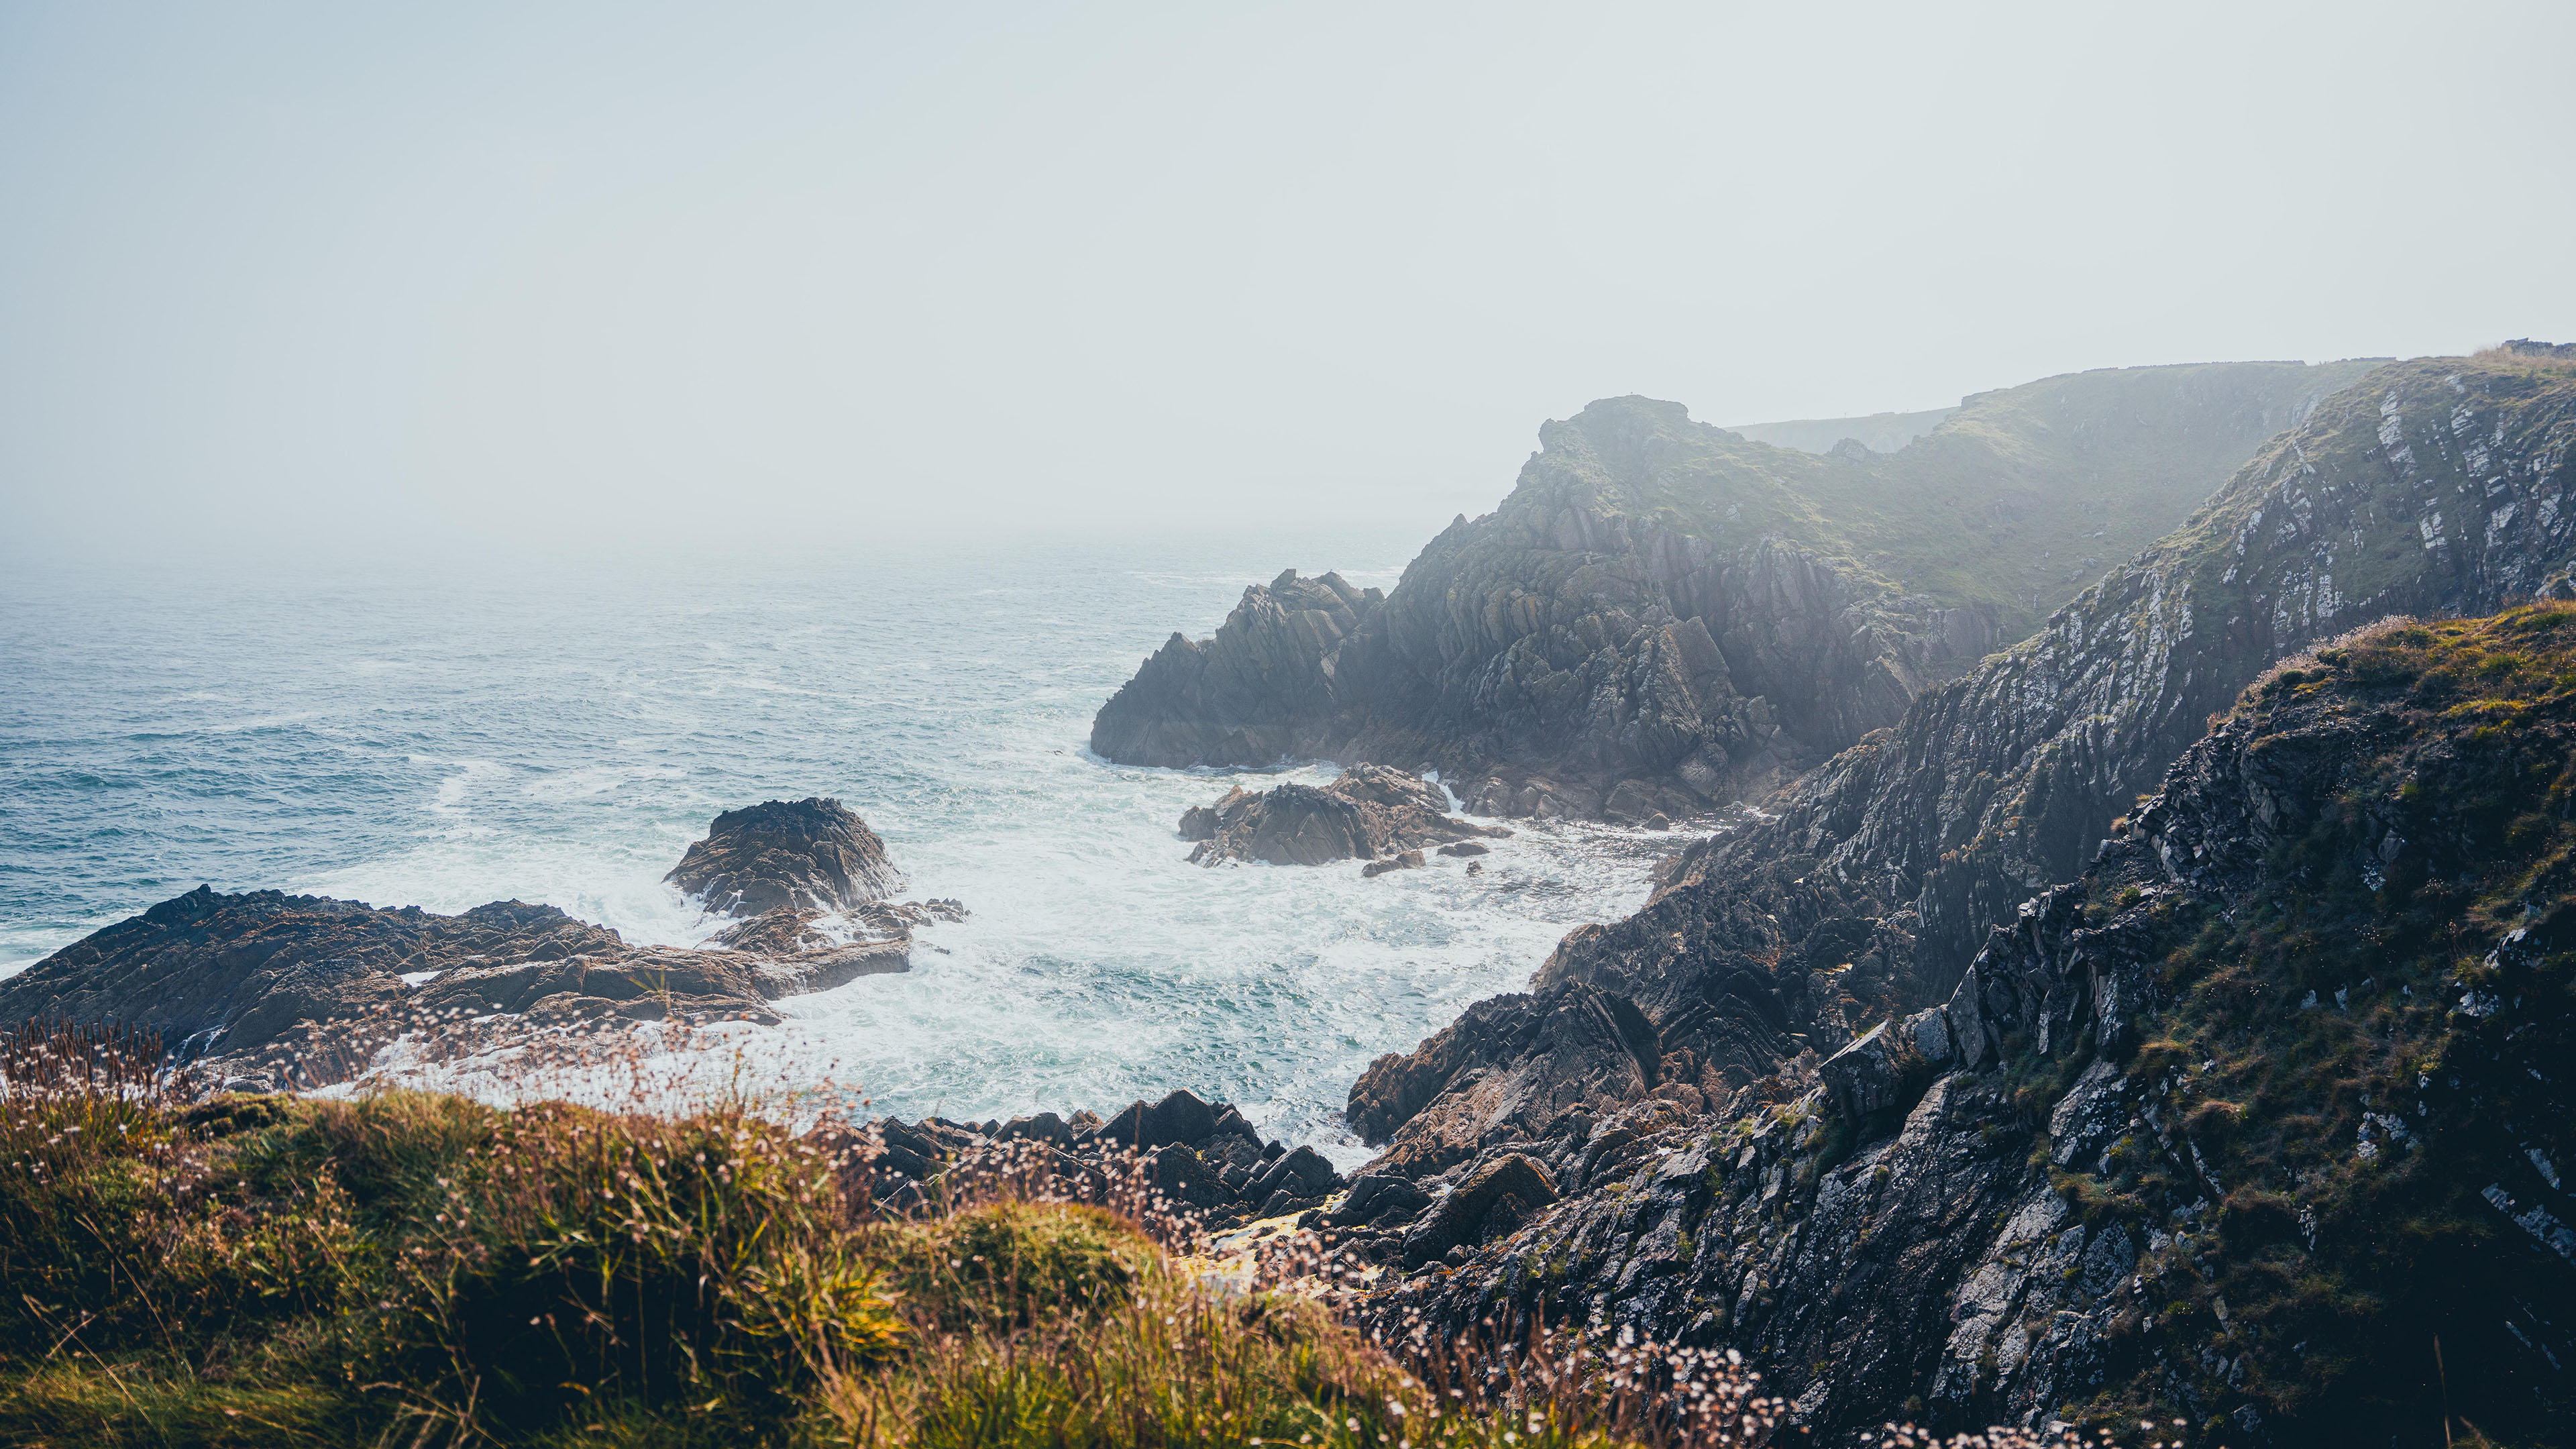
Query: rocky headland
[(2231, 1126), (1664, 615), (1867, 1093), (263, 991)]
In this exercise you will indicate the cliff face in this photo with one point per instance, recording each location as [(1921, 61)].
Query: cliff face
[(1664, 614), (2439, 487), (2231, 1129)]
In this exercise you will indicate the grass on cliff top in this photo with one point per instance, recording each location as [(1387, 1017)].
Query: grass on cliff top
[(2315, 1033), (415, 1269)]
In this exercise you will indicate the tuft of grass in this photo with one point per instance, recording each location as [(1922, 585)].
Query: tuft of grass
[(407, 1268)]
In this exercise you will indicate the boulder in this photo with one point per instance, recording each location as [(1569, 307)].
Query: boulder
[(1404, 860), (1881, 1072), (1369, 812), (1513, 1184), (812, 853)]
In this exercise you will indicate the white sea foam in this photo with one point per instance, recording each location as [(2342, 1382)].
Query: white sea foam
[(564, 740)]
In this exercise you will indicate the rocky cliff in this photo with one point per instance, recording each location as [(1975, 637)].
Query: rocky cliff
[(1663, 614), (2437, 487), (1871, 884), (2263, 1123)]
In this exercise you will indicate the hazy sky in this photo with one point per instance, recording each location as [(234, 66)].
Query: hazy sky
[(328, 280)]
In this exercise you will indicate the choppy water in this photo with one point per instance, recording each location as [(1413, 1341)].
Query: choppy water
[(561, 735)]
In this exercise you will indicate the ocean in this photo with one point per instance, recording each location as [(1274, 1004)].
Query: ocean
[(445, 736)]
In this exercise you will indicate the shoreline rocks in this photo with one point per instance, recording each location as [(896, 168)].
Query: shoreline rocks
[(266, 991), (1204, 1156), (1371, 813)]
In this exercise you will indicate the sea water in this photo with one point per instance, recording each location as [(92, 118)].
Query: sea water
[(443, 736)]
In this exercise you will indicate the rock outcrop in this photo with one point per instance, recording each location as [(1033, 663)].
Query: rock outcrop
[(813, 854), (1203, 1157), (1664, 615), (264, 990), (1259, 692), (2230, 1129), (1371, 811), (2437, 487)]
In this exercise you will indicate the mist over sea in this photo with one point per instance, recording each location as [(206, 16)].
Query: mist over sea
[(560, 734)]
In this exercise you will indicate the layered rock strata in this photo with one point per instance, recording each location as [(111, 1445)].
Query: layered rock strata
[(2227, 1130), (1370, 812), (1664, 615), (2438, 487)]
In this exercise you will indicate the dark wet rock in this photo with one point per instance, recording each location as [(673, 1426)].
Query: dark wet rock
[(1199, 1155), (234, 974), (1402, 860), (1369, 812), (1500, 1195), (779, 932), (1043, 1127), (1881, 1072), (1465, 848), (812, 853), (1383, 1199), (1510, 1066), (269, 990), (2043, 1197)]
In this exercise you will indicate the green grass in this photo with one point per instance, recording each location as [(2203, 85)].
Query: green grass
[(415, 1269)]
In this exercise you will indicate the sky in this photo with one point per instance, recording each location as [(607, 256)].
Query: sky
[(286, 282)]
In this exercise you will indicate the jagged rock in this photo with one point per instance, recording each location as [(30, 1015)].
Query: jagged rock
[(1881, 1072), (1663, 614), (1251, 695), (1897, 855), (1402, 860), (1512, 1186), (1201, 1156), (1509, 1066), (813, 853), (234, 973), (1368, 812), (1959, 1270)]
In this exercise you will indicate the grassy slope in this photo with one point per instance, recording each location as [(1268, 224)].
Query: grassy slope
[(2333, 1267), (421, 1270), (1999, 505)]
